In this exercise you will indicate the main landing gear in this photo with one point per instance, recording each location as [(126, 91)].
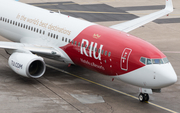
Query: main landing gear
[(143, 97)]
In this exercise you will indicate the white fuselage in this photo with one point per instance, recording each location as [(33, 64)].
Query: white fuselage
[(41, 19)]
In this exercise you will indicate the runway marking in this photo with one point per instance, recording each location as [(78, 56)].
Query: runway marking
[(171, 51), (44, 4), (166, 109), (96, 12), (100, 2)]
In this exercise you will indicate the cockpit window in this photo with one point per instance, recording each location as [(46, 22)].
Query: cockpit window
[(165, 60), (157, 61), (148, 61), (143, 60)]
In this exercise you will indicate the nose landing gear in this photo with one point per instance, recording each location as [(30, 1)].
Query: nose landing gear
[(143, 97), (144, 94)]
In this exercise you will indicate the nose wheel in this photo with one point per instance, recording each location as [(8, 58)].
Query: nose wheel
[(143, 97)]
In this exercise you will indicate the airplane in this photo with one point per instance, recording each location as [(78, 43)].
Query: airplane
[(38, 33)]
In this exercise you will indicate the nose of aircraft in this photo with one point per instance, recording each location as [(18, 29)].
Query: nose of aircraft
[(168, 75)]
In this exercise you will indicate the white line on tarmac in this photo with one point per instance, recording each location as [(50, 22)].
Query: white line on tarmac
[(166, 109)]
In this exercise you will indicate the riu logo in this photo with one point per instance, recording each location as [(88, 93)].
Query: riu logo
[(92, 48)]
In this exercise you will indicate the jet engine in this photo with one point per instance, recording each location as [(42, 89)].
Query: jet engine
[(27, 65)]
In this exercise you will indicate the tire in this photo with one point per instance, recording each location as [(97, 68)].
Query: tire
[(141, 97), (146, 97)]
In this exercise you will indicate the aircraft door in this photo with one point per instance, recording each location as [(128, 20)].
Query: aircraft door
[(49, 36), (42, 33), (124, 59)]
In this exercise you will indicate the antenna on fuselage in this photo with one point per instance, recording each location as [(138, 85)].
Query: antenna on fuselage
[(59, 11)]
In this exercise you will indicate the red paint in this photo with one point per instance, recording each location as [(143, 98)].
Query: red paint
[(69, 65), (115, 42)]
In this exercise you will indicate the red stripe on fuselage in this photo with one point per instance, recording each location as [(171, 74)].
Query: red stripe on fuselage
[(126, 50)]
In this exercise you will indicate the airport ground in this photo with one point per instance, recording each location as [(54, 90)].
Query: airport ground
[(75, 89)]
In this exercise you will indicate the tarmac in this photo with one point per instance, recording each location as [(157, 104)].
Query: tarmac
[(75, 89)]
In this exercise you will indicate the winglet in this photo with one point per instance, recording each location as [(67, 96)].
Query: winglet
[(135, 23), (169, 5)]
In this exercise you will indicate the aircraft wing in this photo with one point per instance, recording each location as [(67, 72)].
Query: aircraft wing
[(135, 23), (30, 48)]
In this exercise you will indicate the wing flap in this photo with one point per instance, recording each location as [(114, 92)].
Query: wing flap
[(36, 49), (135, 23)]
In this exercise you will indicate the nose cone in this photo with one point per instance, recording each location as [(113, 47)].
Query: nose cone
[(168, 75)]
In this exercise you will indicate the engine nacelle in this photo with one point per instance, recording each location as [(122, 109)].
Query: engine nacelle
[(27, 65)]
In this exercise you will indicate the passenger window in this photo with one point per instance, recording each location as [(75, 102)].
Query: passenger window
[(37, 30), (21, 25), (89, 47), (43, 32), (11, 22), (69, 40), (95, 49), (143, 60), (5, 20), (54, 36), (57, 37), (62, 38), (82, 44), (85, 46), (79, 44), (105, 53), (149, 61), (102, 52), (109, 54), (24, 26), (66, 40), (1, 18), (40, 31), (31, 28), (98, 50), (18, 24), (8, 21), (34, 29), (75, 42), (49, 34), (72, 42)]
